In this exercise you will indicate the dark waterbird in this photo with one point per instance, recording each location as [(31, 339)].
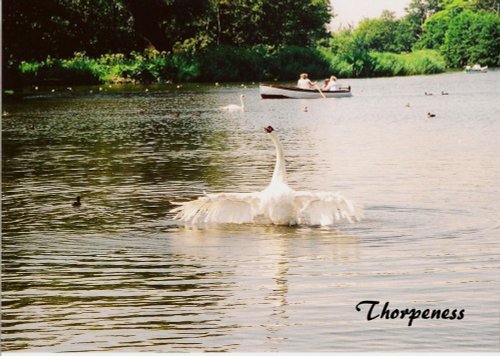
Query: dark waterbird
[(77, 203)]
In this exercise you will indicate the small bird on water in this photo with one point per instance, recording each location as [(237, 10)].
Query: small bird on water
[(429, 115), (77, 202)]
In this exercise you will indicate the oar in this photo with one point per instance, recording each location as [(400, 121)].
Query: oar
[(323, 95)]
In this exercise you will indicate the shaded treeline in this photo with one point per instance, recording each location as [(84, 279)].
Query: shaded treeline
[(86, 41), (223, 63)]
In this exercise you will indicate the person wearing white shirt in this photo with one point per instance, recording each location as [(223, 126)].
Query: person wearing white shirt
[(332, 84), (304, 82)]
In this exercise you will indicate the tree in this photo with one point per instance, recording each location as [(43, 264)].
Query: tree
[(417, 13), (472, 37), (294, 22), (420, 10), (463, 32), (488, 5), (385, 34), (270, 22), (194, 24), (33, 30), (405, 36), (163, 23), (434, 29)]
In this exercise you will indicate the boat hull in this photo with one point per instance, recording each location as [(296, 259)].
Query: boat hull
[(272, 91), (476, 69)]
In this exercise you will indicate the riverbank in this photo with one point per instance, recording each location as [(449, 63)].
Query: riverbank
[(225, 64)]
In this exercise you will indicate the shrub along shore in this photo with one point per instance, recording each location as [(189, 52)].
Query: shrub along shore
[(226, 64)]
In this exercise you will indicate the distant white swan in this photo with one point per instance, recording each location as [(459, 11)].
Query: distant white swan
[(278, 204), (234, 107)]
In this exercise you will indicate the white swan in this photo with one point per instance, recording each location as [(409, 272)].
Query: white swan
[(234, 107), (278, 204)]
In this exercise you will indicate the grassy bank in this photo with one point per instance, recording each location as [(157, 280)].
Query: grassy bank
[(257, 63), (418, 62)]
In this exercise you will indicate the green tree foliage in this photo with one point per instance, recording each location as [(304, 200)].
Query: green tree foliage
[(222, 63), (236, 39), (235, 22), (377, 34), (488, 5), (434, 28), (349, 51), (473, 37), (417, 62), (420, 10), (294, 22), (163, 23), (266, 22), (385, 33), (464, 32), (33, 29), (417, 12)]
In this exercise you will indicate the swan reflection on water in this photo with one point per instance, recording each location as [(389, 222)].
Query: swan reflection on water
[(278, 204)]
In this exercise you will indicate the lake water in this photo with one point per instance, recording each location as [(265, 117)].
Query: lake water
[(118, 274)]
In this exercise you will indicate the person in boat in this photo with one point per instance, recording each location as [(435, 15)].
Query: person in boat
[(304, 82), (325, 84), (332, 84)]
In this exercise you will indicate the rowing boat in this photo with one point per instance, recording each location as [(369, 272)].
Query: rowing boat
[(274, 91), (476, 68)]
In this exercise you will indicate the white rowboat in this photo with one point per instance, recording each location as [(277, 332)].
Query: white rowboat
[(273, 91), (476, 68)]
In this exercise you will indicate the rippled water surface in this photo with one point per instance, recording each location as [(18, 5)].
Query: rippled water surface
[(119, 274)]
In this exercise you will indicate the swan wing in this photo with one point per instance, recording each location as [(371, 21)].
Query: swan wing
[(236, 208), (324, 208)]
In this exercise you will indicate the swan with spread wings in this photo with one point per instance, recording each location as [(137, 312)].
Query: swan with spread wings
[(277, 204)]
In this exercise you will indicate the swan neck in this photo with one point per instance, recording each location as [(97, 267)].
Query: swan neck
[(279, 174), (241, 101)]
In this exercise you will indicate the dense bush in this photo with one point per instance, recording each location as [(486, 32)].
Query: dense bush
[(417, 62), (290, 61), (464, 33), (473, 37), (78, 70), (383, 64), (223, 63)]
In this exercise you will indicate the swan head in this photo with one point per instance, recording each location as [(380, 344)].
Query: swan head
[(268, 129)]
